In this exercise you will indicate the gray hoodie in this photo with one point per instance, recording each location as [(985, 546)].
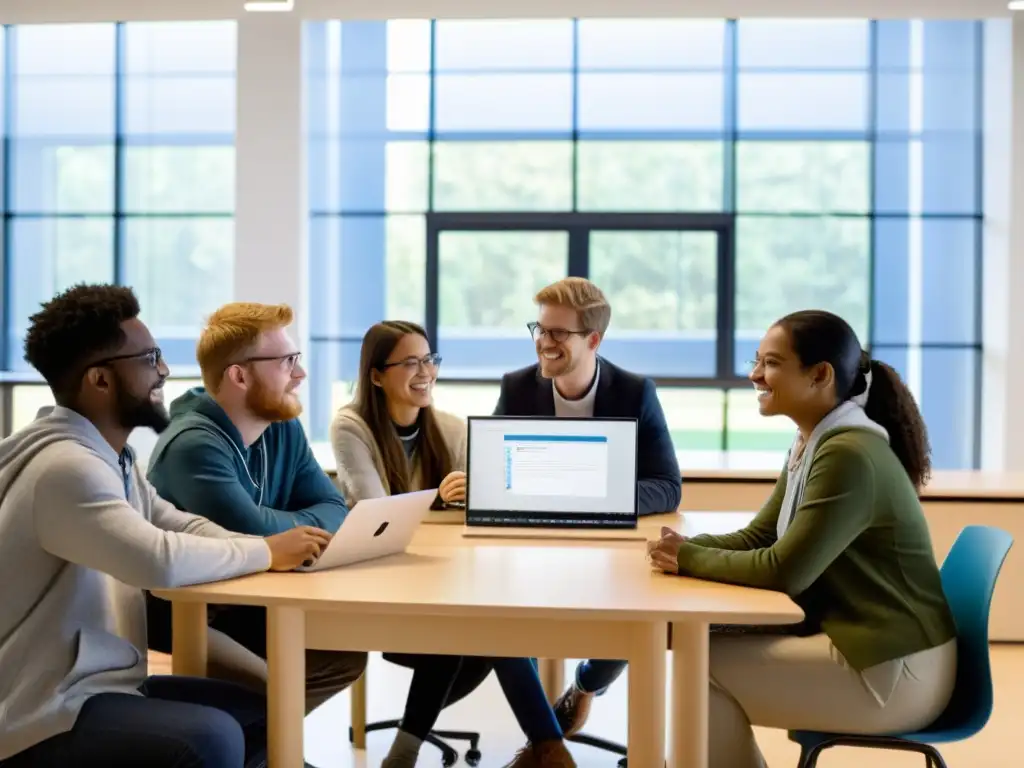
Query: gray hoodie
[(82, 533)]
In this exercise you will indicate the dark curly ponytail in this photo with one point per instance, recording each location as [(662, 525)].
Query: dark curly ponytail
[(891, 404)]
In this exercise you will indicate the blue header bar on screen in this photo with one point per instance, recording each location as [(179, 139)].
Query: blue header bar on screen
[(557, 438)]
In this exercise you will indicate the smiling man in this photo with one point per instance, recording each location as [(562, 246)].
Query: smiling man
[(236, 454), (82, 534), (571, 380)]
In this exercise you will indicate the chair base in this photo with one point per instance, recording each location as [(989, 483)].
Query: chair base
[(599, 743), (809, 754), (449, 756)]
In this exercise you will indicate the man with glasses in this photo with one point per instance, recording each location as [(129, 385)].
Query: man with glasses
[(570, 379), (82, 534), (236, 453)]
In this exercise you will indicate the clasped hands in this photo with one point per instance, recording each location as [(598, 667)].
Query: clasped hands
[(663, 553), (453, 487)]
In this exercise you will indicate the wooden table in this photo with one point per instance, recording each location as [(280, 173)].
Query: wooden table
[(552, 670), (551, 599)]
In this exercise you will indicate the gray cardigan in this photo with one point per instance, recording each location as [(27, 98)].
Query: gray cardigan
[(360, 463), (81, 535)]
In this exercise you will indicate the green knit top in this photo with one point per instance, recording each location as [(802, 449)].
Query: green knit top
[(857, 556)]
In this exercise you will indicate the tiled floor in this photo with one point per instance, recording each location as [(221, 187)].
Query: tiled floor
[(486, 711)]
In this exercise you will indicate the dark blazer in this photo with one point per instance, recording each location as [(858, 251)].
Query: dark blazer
[(619, 394)]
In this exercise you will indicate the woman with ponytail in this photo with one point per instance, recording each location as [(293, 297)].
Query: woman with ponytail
[(843, 534)]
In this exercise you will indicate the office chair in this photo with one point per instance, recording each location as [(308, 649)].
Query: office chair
[(598, 743), (437, 738), (449, 755), (969, 576)]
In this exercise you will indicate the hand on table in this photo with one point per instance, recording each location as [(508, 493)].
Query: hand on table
[(301, 545), (664, 553), (453, 487)]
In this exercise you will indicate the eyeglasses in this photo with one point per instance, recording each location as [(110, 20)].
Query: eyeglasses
[(753, 365), (537, 331), (290, 360), (430, 362), (152, 357)]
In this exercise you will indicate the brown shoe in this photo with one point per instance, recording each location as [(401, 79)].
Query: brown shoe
[(553, 754), (524, 759), (572, 710), (545, 754)]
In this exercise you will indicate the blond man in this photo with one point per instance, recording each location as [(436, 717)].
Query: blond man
[(235, 453), (570, 379)]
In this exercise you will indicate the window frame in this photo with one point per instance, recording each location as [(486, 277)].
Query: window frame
[(579, 226)]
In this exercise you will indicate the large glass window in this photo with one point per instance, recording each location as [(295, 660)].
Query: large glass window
[(770, 165), (118, 165)]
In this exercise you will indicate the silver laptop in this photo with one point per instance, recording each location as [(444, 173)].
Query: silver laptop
[(375, 528), (549, 477)]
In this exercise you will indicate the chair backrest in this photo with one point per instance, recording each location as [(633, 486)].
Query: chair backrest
[(969, 576)]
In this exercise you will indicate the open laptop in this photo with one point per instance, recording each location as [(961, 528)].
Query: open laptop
[(548, 477), (375, 528)]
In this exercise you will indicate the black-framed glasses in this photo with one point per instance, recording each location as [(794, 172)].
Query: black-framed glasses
[(430, 362), (290, 360), (152, 357), (537, 331)]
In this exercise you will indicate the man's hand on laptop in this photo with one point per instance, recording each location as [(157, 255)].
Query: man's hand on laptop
[(664, 552), (453, 487), (301, 545)]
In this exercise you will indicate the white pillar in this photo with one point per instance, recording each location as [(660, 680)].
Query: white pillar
[(270, 167), (1002, 433)]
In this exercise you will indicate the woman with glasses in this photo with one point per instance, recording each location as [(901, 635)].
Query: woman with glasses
[(390, 439)]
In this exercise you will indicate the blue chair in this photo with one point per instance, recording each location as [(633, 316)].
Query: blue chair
[(968, 578)]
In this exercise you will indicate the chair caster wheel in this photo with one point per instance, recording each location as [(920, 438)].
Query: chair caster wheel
[(473, 757), (622, 763), (448, 759)]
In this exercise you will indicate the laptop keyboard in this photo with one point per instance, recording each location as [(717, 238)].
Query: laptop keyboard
[(573, 521)]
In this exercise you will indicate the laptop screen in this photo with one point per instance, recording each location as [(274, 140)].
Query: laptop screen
[(551, 471)]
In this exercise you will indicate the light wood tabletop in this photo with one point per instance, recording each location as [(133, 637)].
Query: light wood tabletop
[(578, 599), (510, 582)]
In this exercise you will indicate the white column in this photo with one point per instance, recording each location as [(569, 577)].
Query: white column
[(1002, 434), (270, 166)]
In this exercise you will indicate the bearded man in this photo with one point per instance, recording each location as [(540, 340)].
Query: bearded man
[(235, 453)]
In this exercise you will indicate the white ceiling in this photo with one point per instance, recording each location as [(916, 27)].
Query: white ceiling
[(49, 11)]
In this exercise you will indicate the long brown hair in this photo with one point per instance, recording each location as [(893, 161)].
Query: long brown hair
[(371, 404)]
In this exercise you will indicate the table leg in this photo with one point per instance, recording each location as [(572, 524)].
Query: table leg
[(359, 712), (188, 644), (647, 696), (688, 739), (552, 677), (286, 686)]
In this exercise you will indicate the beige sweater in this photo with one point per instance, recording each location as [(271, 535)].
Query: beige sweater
[(360, 463)]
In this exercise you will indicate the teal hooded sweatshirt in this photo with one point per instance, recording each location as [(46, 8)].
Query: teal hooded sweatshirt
[(201, 466)]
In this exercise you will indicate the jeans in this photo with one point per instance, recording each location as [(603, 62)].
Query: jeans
[(439, 681), (596, 675), (525, 695), (178, 722)]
